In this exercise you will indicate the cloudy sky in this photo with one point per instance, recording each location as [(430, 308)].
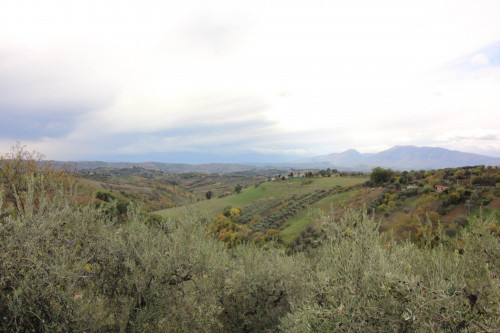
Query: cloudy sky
[(219, 81)]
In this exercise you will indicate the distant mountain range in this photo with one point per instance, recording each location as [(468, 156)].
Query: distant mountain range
[(168, 167), (398, 158)]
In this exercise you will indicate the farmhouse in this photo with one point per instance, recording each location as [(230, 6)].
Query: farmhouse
[(441, 188)]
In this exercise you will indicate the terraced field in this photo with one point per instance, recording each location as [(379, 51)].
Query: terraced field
[(334, 204), (266, 191), (278, 205)]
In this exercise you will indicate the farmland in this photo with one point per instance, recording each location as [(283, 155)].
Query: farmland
[(265, 191)]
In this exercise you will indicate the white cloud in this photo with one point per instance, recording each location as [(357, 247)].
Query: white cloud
[(480, 60), (349, 74)]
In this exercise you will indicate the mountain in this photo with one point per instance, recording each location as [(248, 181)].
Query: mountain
[(350, 158), (411, 157), (401, 158), (398, 157)]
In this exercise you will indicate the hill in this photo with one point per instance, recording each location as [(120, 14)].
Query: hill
[(289, 210), (261, 212), (168, 167), (156, 189)]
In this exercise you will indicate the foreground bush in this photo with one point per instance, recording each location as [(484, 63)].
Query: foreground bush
[(365, 284), (64, 267)]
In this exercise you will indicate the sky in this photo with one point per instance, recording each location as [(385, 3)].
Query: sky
[(247, 81)]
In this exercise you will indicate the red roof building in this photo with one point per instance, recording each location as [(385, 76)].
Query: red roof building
[(441, 188)]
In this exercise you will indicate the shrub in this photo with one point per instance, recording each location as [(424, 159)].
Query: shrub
[(261, 288), (365, 283), (381, 175)]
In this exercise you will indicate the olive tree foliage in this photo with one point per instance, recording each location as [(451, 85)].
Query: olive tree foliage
[(69, 268), (261, 288), (367, 283), (66, 268)]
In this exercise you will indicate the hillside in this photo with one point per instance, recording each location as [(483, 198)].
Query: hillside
[(155, 189), (288, 210), (273, 190), (168, 167)]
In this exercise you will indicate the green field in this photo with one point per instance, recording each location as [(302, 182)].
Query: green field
[(307, 217), (275, 189), (486, 212)]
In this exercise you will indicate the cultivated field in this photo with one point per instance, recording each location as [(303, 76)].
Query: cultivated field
[(273, 189)]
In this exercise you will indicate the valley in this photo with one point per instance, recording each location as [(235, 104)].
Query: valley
[(287, 208)]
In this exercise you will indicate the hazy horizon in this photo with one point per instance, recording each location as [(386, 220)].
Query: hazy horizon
[(197, 81), (243, 159)]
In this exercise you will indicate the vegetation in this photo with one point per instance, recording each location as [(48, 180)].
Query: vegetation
[(265, 190), (154, 189), (447, 197), (364, 283), (67, 264), (380, 175)]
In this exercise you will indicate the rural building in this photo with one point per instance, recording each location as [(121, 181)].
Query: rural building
[(441, 188)]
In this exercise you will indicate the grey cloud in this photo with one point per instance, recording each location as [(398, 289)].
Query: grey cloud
[(488, 137), (33, 126), (229, 110), (225, 137), (45, 97)]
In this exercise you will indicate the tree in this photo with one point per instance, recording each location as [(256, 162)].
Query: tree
[(20, 168), (380, 175), (208, 195), (238, 188)]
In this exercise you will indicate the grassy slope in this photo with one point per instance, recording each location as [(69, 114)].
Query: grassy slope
[(276, 189), (335, 204), (492, 208), (307, 217)]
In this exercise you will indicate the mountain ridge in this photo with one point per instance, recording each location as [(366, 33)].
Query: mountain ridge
[(398, 157), (404, 158)]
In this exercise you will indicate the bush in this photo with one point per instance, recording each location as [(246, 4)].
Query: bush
[(364, 283), (67, 267), (261, 289), (460, 221), (381, 175)]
